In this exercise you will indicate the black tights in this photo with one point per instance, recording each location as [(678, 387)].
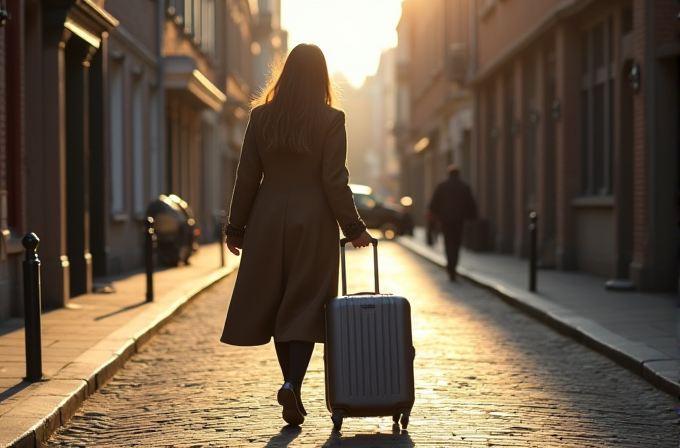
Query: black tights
[(294, 359)]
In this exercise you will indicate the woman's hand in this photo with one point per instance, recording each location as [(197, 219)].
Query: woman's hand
[(234, 243), (363, 240)]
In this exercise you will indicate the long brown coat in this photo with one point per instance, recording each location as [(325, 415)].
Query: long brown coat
[(290, 205)]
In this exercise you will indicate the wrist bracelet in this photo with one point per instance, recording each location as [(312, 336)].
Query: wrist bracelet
[(230, 230), (354, 230)]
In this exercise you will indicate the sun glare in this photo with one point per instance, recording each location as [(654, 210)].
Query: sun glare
[(351, 33)]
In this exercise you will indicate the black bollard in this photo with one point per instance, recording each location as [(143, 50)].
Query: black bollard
[(223, 221), (533, 230), (32, 308), (150, 244)]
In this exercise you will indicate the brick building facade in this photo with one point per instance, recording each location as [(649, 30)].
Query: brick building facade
[(576, 117), (566, 129), (104, 106), (434, 105), (57, 67)]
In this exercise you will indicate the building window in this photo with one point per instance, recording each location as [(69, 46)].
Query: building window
[(597, 109), (176, 7), (189, 17), (117, 139), (531, 120), (198, 19), (154, 165), (138, 126)]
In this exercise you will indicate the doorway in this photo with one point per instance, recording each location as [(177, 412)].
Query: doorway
[(77, 52)]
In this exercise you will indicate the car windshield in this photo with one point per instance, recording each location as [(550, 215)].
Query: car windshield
[(363, 196), (364, 200)]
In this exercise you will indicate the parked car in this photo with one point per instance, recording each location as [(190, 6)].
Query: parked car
[(175, 228), (391, 219)]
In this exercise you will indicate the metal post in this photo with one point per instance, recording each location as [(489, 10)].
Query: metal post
[(223, 221), (32, 308), (533, 230), (150, 244)]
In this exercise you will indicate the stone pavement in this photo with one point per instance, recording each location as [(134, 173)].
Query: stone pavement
[(486, 375), (84, 344), (637, 330)]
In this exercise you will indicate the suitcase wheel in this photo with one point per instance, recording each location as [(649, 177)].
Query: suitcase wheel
[(404, 421), (337, 417), (404, 414)]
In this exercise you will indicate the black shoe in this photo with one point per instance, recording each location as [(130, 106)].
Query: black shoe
[(298, 395), (288, 399)]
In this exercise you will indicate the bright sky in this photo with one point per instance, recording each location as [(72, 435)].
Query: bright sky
[(351, 33)]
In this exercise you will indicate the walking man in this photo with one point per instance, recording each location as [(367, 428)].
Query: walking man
[(452, 203)]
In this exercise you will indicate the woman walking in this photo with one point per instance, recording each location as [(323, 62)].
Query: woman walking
[(290, 195)]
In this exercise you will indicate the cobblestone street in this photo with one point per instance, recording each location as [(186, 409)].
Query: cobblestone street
[(486, 375)]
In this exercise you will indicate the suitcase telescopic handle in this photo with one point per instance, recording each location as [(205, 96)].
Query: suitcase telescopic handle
[(344, 241)]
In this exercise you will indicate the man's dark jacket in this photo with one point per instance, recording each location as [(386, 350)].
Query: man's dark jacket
[(452, 201)]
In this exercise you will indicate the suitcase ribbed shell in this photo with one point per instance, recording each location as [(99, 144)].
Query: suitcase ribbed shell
[(369, 355)]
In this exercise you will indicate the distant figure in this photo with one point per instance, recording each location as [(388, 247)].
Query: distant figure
[(452, 203), (291, 193), (431, 232)]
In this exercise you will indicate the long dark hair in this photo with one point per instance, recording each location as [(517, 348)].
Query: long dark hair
[(297, 91)]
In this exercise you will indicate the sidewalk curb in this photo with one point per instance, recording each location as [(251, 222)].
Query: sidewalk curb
[(650, 364), (96, 366)]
